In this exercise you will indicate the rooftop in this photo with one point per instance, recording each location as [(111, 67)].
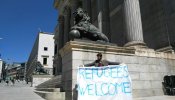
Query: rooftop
[(49, 33)]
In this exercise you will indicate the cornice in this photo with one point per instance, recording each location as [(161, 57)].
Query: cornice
[(91, 46)]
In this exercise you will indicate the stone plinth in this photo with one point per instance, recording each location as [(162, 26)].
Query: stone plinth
[(146, 67)]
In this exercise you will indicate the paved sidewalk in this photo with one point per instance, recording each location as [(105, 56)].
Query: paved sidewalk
[(20, 91), (23, 91)]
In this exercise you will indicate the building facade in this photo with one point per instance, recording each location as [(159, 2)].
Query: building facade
[(3, 72), (11, 70), (21, 71), (125, 22), (42, 54)]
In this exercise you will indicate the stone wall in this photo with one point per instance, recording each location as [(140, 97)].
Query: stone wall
[(170, 19), (154, 23), (117, 22), (147, 74), (146, 67)]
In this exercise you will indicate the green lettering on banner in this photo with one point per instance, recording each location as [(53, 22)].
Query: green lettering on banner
[(119, 87), (103, 88), (90, 89), (81, 90), (114, 88), (81, 73), (127, 87), (89, 74), (120, 82), (99, 73)]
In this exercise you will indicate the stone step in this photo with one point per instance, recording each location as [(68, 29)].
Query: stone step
[(51, 95), (55, 82), (165, 97), (48, 89)]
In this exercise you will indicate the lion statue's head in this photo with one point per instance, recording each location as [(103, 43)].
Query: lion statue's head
[(81, 15)]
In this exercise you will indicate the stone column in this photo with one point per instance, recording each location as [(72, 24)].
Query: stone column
[(133, 23), (74, 6), (87, 6), (66, 24), (60, 44), (103, 17), (61, 31), (55, 53)]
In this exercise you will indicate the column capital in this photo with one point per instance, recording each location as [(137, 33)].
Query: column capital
[(61, 18), (66, 10)]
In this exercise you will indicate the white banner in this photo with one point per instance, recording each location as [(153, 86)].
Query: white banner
[(104, 83)]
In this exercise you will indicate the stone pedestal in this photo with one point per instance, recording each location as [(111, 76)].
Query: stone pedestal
[(146, 67)]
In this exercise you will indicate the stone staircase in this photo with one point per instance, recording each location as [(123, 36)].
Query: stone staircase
[(164, 97), (51, 89), (50, 93), (54, 82)]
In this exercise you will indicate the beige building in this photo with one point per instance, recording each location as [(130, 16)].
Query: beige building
[(42, 52)]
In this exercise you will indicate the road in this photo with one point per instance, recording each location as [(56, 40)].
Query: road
[(20, 91)]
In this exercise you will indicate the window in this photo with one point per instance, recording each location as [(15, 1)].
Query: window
[(44, 61), (45, 48)]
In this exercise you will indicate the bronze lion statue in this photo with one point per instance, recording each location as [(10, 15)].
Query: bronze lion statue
[(84, 29)]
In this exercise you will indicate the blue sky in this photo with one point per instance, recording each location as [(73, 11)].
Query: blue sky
[(20, 21)]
